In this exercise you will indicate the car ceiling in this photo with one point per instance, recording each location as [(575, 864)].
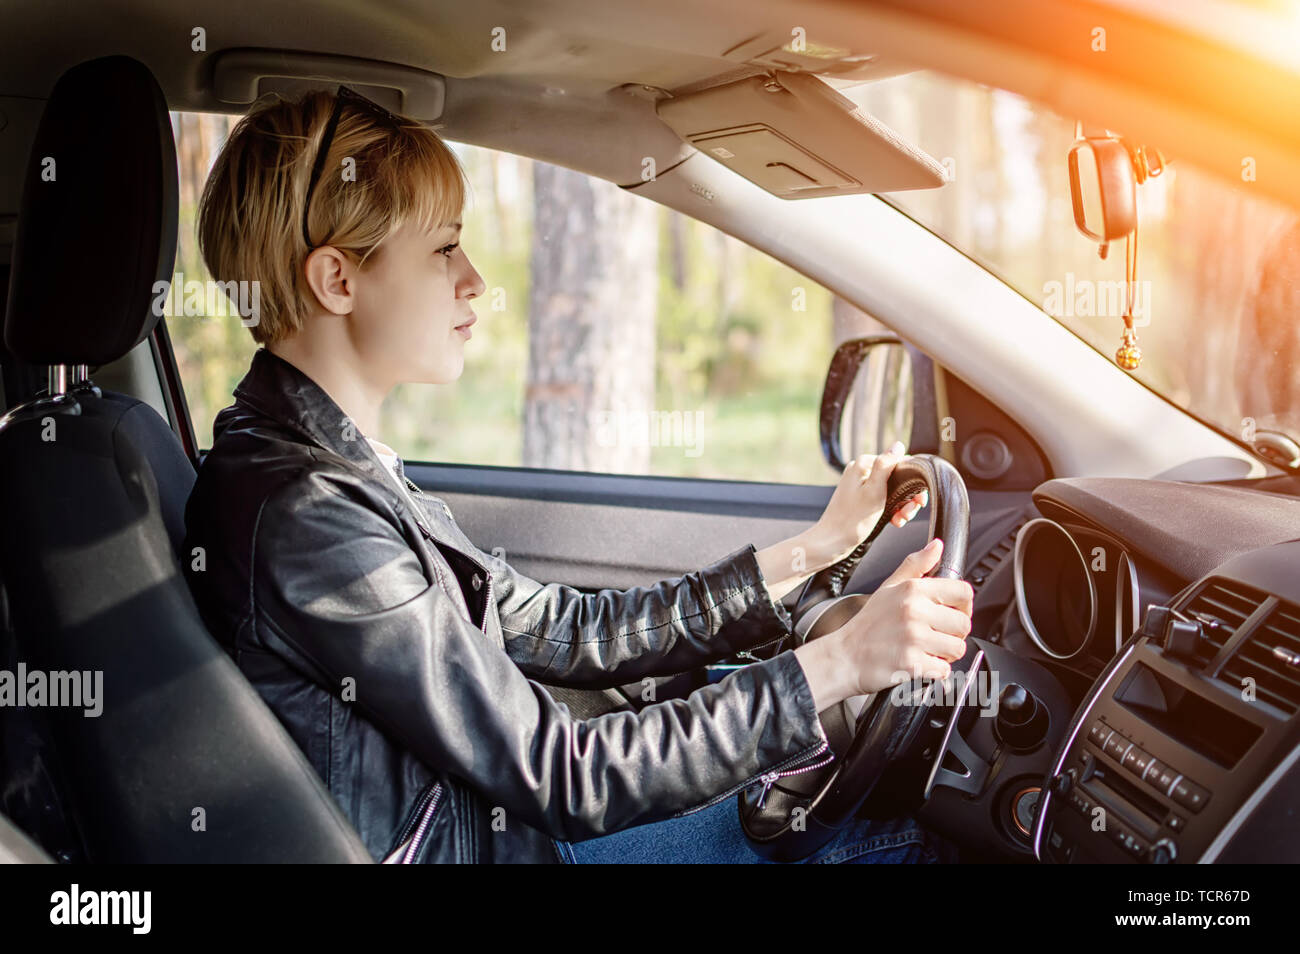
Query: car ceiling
[(555, 92)]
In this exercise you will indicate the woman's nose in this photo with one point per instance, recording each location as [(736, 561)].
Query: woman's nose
[(471, 284)]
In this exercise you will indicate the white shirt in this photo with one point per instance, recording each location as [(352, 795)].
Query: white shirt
[(389, 458)]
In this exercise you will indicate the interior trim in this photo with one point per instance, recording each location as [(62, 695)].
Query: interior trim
[(1122, 630), (1022, 607), (1100, 687), (1244, 811)]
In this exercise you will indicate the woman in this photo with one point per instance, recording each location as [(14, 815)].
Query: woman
[(406, 662)]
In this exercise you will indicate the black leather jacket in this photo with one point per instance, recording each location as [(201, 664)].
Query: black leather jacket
[(408, 664)]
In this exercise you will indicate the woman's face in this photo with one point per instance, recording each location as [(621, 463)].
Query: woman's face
[(412, 306)]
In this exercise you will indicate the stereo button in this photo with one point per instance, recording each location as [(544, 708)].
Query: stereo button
[(1127, 841), (1135, 846), (1190, 795), (1137, 761), (1160, 777), (1116, 746)]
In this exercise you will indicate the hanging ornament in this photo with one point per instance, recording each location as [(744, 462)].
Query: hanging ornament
[(1129, 355)]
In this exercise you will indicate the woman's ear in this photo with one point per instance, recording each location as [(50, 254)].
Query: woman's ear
[(330, 275)]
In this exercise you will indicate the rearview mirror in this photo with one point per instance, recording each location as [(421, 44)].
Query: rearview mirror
[(867, 401), (1103, 188)]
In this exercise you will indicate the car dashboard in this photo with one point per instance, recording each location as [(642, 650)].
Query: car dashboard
[(1169, 615)]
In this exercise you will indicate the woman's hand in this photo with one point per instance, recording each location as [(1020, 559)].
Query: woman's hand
[(859, 500), (854, 509), (913, 626)]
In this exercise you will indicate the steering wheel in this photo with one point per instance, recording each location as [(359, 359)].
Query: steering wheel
[(797, 812)]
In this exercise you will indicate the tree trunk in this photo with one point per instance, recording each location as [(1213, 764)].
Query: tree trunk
[(591, 342)]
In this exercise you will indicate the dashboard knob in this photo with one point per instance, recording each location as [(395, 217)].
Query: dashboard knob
[(1182, 638), (1062, 782), (1021, 721), (1016, 704), (1163, 852), (1178, 636), (1155, 621)]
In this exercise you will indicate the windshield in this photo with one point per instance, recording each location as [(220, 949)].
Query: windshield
[(1217, 305)]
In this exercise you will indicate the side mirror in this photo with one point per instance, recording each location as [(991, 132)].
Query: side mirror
[(1103, 187), (868, 399)]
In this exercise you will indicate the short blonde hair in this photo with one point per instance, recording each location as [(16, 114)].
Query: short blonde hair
[(250, 215)]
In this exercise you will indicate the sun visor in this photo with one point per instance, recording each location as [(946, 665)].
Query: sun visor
[(240, 76), (798, 138)]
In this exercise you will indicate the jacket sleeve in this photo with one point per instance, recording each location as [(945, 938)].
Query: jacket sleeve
[(560, 635), (340, 593)]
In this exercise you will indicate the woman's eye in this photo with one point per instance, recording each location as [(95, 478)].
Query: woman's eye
[(448, 249)]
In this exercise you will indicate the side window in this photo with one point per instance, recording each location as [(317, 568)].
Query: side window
[(619, 336), (615, 335), (212, 346)]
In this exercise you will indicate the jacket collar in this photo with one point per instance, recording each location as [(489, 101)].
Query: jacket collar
[(278, 390)]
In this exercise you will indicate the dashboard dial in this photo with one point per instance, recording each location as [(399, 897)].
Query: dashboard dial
[(1055, 593)]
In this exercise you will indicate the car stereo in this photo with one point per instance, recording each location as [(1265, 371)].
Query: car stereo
[(1182, 736)]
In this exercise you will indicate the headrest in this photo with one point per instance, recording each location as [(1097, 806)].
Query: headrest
[(97, 224)]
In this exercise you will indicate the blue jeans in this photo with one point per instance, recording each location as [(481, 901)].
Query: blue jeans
[(714, 836)]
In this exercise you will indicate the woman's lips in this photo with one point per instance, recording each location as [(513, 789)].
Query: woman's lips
[(464, 329)]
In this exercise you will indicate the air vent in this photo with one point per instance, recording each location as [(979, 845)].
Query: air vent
[(1222, 606), (996, 556), (1271, 657)]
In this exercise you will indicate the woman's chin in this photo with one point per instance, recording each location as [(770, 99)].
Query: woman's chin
[(448, 371)]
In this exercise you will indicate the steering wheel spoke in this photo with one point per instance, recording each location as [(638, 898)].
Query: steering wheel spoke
[(976, 773)]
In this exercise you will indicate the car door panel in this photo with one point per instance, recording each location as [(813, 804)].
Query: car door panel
[(604, 530)]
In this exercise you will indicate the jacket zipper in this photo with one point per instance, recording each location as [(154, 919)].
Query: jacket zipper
[(769, 778), (418, 838), (777, 773), (412, 485), (419, 823), (487, 607), (435, 795), (749, 653)]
